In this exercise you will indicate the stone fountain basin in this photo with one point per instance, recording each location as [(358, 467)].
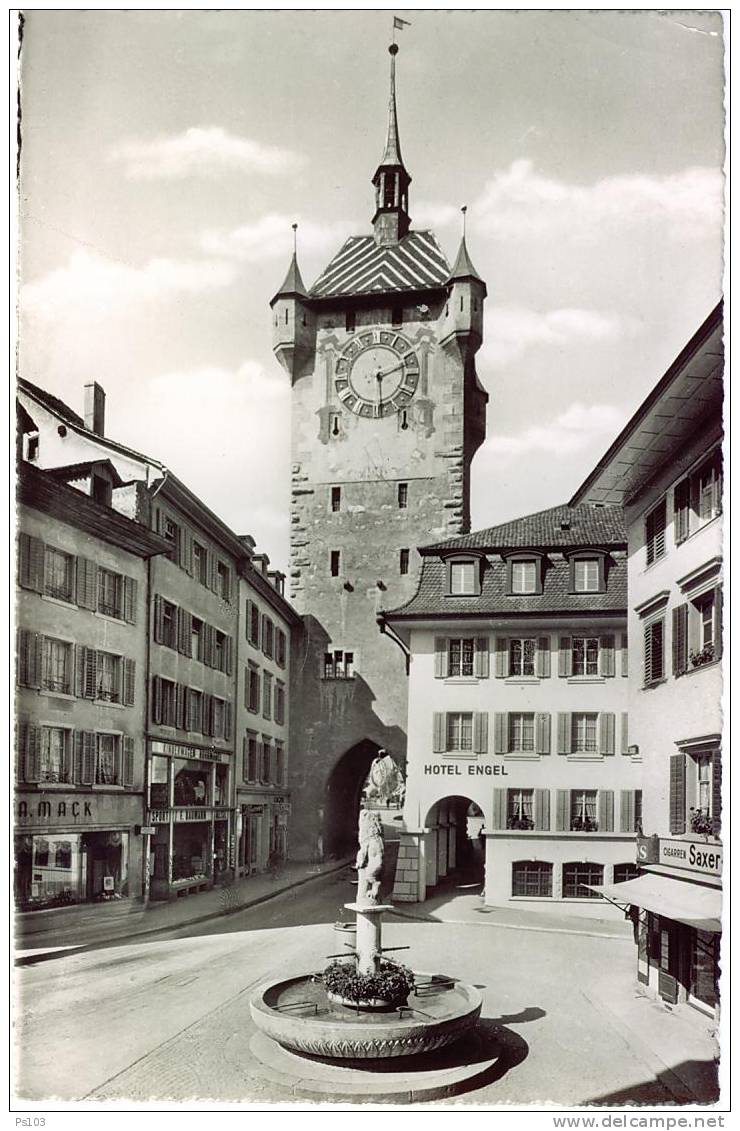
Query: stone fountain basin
[(298, 1014)]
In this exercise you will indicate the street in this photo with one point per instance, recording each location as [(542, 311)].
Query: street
[(169, 1018)]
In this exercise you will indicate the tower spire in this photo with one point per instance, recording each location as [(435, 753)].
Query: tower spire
[(391, 180)]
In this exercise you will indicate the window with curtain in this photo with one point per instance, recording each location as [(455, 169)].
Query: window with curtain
[(460, 730), (461, 656), (521, 731), (522, 656), (583, 816), (520, 813), (583, 733), (585, 652)]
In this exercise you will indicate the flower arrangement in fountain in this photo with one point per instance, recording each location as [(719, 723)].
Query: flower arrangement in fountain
[(391, 983)]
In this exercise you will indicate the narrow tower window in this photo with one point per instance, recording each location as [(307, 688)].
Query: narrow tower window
[(403, 562), (403, 496), (336, 499), (397, 315), (334, 563), (349, 321)]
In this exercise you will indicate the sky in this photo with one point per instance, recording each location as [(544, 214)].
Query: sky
[(166, 154)]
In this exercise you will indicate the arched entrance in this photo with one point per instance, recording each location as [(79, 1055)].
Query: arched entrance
[(454, 852), (343, 792)]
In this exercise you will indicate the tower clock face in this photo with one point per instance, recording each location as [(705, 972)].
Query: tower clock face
[(377, 373)]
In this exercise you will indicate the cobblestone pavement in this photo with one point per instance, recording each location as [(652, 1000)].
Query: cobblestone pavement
[(169, 1019)]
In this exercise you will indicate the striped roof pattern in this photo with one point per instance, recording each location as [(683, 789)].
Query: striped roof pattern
[(361, 267)]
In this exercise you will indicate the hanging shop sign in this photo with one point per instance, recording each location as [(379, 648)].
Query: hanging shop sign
[(194, 753), (164, 816), (692, 856)]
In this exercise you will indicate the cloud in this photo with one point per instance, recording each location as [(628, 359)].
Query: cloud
[(90, 284), (574, 430), (511, 330), (201, 151), (269, 238), (433, 214), (522, 202)]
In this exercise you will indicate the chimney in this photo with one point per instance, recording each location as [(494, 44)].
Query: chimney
[(95, 409)]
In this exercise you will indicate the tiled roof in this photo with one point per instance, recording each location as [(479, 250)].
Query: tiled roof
[(54, 404), (431, 597), (561, 526), (362, 267)]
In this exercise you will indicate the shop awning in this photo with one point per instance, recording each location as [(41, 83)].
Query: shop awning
[(697, 906)]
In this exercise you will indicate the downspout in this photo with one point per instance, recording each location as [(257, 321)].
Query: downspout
[(146, 854), (386, 629)]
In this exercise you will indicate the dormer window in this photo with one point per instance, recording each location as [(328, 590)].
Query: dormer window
[(524, 577), (463, 579), (587, 573)]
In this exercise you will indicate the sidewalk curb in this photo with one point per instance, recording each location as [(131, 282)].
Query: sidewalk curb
[(82, 948), (510, 926)]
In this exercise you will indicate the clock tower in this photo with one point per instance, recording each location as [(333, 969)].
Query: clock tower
[(387, 414)]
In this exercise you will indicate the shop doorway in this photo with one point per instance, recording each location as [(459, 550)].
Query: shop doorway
[(454, 847)]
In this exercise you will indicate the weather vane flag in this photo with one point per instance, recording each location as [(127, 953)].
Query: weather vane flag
[(399, 25)]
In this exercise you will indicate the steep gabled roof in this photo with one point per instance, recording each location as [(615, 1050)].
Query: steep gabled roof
[(362, 267), (463, 268)]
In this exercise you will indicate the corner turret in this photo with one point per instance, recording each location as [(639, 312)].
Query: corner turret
[(293, 322), (462, 321)]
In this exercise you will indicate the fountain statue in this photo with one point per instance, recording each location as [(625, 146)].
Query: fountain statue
[(366, 1008)]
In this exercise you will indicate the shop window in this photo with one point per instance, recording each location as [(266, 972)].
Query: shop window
[(577, 875), (704, 968), (654, 652), (63, 855), (624, 872), (57, 666), (108, 769), (41, 853), (655, 533), (585, 655), (56, 760), (583, 815), (191, 786), (532, 878), (519, 809), (521, 732), (522, 656), (59, 571)]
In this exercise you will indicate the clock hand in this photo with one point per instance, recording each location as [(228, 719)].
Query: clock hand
[(387, 372)]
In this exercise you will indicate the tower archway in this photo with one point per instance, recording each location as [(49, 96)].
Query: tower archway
[(342, 800)]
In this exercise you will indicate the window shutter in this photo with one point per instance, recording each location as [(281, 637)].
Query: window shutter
[(625, 733), (245, 759), (606, 810), (31, 563), (156, 699), (681, 511), (246, 687), (181, 702), (228, 654), (677, 794), (543, 657), (86, 674), (501, 732), (480, 669), (499, 808), (542, 809), (480, 732), (625, 655), (89, 757), (606, 732), (130, 589), (501, 657), (87, 583), (128, 760), (542, 722), (648, 659), (185, 550), (716, 792), (565, 656), (564, 733), (627, 811), (680, 639), (248, 621), (562, 821), (32, 753), (184, 632), (717, 622), (227, 720), (30, 655), (158, 621), (441, 658), (129, 682), (208, 715), (209, 640), (439, 743), (606, 655)]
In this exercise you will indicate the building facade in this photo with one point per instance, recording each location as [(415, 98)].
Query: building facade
[(263, 800), (666, 470), (81, 610), (192, 640), (520, 770), (387, 413)]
